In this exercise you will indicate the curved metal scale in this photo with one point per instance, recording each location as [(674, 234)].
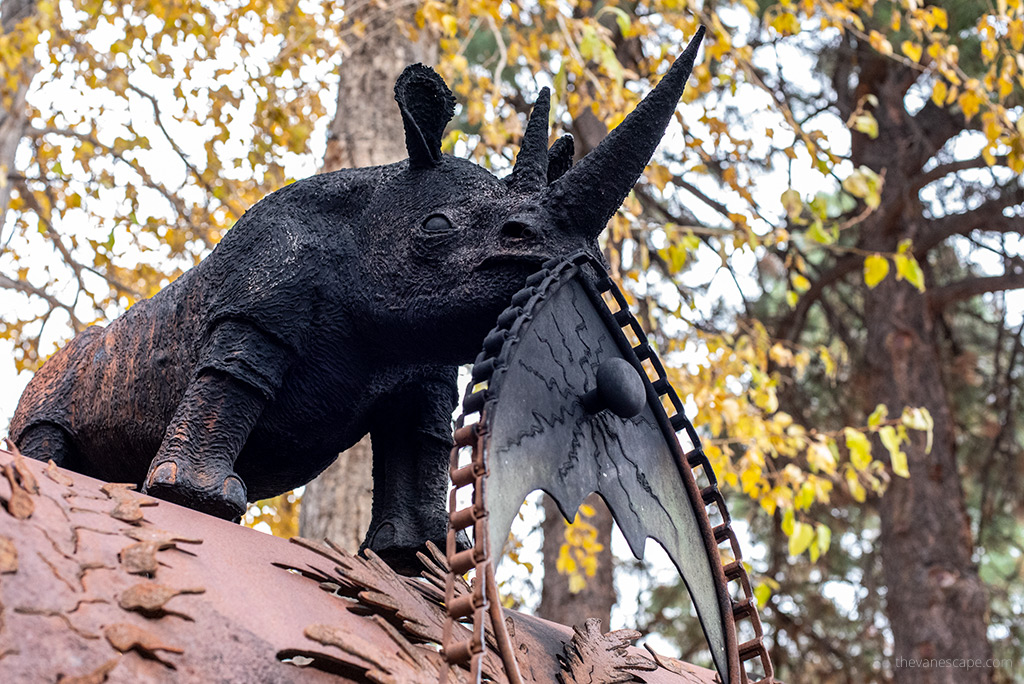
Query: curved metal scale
[(571, 399)]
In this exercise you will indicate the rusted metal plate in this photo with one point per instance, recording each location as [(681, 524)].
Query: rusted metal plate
[(99, 583)]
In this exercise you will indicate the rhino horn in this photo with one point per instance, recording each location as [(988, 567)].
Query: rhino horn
[(589, 193), (560, 157), (531, 170)]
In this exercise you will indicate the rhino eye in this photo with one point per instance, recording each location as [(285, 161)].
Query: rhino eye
[(437, 224)]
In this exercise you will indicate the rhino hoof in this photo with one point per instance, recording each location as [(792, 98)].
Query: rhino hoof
[(399, 551), (164, 474), (179, 484), (235, 494)]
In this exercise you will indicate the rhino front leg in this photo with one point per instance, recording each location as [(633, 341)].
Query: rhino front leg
[(195, 464), (239, 371), (412, 438)]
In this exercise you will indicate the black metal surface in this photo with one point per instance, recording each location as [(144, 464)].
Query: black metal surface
[(339, 305), (618, 388), (558, 339)]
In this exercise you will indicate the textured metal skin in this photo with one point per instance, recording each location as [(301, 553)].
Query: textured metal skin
[(337, 306), (540, 435)]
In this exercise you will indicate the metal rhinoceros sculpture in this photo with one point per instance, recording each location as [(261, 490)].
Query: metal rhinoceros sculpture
[(339, 305)]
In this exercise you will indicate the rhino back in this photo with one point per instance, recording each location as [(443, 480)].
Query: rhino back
[(115, 388)]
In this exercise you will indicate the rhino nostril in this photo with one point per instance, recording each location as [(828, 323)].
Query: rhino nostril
[(519, 230)]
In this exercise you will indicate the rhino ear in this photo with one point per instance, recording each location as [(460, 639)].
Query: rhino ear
[(560, 157), (427, 106)]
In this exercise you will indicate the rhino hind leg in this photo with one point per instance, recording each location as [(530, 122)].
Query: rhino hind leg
[(195, 464), (412, 439), (48, 441)]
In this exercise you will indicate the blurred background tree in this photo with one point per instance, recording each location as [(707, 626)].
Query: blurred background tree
[(826, 251)]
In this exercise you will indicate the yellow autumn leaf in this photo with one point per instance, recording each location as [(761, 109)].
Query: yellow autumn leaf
[(989, 50), (912, 50), (908, 269), (919, 418), (1005, 87), (969, 103), (990, 126), (880, 43), (876, 267), (804, 496), (762, 592), (792, 203), (856, 488), (1015, 32), (865, 184), (878, 415), (939, 92), (565, 564), (785, 24), (659, 175), (891, 441), (788, 523), (803, 535), (821, 458), (823, 537), (866, 123), (859, 446), (750, 478)]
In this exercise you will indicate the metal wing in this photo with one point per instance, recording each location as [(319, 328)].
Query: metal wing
[(538, 434)]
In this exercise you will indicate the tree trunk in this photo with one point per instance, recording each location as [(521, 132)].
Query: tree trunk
[(936, 602), (366, 131), (13, 117), (557, 602)]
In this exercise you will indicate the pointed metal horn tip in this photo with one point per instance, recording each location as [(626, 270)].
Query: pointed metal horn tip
[(691, 48), (543, 98)]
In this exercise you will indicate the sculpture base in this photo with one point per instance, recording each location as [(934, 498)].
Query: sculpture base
[(100, 582)]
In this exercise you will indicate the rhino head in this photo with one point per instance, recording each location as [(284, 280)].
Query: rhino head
[(451, 243)]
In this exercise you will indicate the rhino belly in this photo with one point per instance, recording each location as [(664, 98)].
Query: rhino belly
[(318, 413)]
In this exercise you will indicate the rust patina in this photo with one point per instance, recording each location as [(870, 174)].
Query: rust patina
[(220, 602)]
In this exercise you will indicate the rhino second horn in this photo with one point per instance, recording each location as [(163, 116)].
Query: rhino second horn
[(530, 173), (560, 157)]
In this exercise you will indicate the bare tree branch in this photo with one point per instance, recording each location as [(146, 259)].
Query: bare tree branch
[(72, 263), (944, 295), (28, 288), (792, 324), (988, 216), (699, 194), (158, 118), (952, 167), (176, 202)]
